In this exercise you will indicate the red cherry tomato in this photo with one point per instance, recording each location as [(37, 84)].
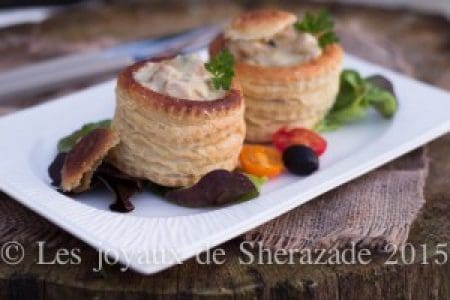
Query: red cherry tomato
[(285, 137)]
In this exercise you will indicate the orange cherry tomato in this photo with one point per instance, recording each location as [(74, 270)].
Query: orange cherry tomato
[(261, 160), (285, 137)]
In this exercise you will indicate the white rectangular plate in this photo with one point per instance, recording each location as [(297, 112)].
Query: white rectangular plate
[(158, 234)]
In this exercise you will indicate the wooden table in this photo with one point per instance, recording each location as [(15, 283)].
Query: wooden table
[(414, 44)]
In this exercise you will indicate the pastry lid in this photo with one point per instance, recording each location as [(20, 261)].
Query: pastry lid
[(81, 162), (259, 24)]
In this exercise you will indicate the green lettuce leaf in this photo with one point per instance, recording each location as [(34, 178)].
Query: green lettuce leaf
[(356, 95), (383, 101)]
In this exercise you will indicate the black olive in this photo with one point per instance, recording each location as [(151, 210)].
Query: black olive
[(300, 160)]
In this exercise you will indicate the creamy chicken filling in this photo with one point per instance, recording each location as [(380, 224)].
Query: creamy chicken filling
[(183, 77), (287, 47)]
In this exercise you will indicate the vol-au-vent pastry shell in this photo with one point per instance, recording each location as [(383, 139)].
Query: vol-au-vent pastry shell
[(297, 95), (173, 141)]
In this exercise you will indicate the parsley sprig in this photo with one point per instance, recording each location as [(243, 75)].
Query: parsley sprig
[(320, 25), (221, 67)]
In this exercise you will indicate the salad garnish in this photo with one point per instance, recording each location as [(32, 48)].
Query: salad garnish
[(218, 187), (258, 181), (356, 96), (382, 95)]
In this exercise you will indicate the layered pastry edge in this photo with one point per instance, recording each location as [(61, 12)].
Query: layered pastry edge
[(173, 141)]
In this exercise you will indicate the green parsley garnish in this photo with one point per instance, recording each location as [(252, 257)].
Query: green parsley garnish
[(221, 67), (320, 25)]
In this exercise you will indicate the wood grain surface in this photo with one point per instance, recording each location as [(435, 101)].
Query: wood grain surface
[(408, 42)]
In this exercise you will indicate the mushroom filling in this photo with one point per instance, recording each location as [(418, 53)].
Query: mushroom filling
[(183, 77), (287, 47)]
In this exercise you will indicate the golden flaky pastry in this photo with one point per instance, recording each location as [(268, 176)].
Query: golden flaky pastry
[(82, 161), (173, 141), (259, 24), (294, 95)]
